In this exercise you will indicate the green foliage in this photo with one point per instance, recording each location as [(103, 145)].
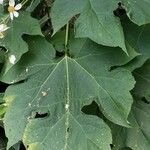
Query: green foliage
[(75, 75), (13, 41), (138, 136), (142, 76)]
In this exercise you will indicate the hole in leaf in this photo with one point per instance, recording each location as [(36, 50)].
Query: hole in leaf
[(92, 109), (145, 100), (120, 11), (68, 129), (41, 115), (3, 49)]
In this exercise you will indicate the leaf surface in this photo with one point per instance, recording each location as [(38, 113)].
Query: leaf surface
[(63, 11), (137, 36), (137, 137), (138, 11), (48, 104), (142, 76), (13, 41), (94, 23), (97, 21)]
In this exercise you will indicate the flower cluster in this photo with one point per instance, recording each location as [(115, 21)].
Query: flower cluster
[(13, 12)]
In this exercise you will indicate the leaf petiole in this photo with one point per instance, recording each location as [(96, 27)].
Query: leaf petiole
[(66, 37), (24, 2)]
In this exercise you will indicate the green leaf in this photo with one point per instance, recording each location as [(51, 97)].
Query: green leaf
[(19, 72), (138, 11), (135, 63), (142, 76), (2, 110), (13, 41), (137, 36), (63, 11), (94, 23), (58, 41), (17, 146), (30, 63), (97, 21), (47, 106), (137, 137), (91, 23)]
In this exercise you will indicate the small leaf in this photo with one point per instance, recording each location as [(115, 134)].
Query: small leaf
[(137, 37), (94, 23), (138, 11), (63, 11), (13, 41), (30, 63)]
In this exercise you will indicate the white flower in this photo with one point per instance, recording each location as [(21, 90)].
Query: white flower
[(3, 27), (12, 8), (12, 59), (1, 1)]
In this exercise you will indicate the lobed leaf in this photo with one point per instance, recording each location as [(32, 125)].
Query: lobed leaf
[(48, 104), (97, 21), (13, 41)]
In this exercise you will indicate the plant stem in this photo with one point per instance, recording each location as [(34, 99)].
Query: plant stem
[(24, 2), (66, 37)]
